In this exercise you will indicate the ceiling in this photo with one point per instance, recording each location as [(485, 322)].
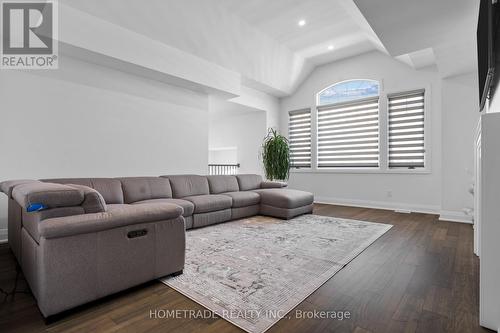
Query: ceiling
[(334, 29), (262, 40), (424, 33)]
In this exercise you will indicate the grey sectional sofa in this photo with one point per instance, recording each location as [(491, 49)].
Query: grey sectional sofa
[(79, 239)]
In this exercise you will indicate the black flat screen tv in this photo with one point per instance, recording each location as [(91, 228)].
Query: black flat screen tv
[(486, 48)]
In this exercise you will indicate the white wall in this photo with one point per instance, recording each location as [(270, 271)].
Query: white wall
[(418, 192), (460, 116), (259, 100), (85, 120), (222, 155), (241, 128)]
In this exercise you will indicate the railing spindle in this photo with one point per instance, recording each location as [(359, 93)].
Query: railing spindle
[(223, 169)]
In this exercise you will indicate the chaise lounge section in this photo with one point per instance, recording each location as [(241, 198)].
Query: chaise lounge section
[(92, 237), (275, 200)]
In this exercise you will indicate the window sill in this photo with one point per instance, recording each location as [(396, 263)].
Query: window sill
[(364, 171)]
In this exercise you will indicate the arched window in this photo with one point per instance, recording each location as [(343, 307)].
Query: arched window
[(346, 91)]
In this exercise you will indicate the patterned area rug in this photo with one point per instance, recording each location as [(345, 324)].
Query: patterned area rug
[(253, 271)]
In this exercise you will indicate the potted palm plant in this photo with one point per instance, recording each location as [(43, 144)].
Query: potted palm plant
[(276, 156)]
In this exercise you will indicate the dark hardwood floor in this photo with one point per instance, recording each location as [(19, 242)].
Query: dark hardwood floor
[(421, 276)]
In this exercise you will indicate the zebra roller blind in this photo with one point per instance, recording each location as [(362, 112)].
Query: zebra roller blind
[(299, 134), (348, 134), (406, 130)]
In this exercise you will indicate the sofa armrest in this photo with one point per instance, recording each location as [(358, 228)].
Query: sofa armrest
[(123, 216), (272, 184)]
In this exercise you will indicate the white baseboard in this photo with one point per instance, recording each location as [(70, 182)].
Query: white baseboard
[(444, 215), (399, 206), (455, 216), (3, 235)]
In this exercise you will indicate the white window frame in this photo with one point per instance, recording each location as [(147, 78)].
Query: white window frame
[(383, 135)]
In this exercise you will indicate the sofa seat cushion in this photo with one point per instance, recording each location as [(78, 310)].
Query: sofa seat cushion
[(210, 202), (188, 206), (115, 207), (273, 184), (284, 198), (243, 198)]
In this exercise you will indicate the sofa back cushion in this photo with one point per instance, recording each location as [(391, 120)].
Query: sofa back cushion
[(249, 182), (145, 188), (188, 185), (222, 183), (109, 188)]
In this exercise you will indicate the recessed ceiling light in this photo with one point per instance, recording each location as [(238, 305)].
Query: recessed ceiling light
[(302, 23), (330, 47)]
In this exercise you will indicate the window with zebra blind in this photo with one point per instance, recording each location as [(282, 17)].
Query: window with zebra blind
[(348, 134), (299, 135), (406, 130)]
